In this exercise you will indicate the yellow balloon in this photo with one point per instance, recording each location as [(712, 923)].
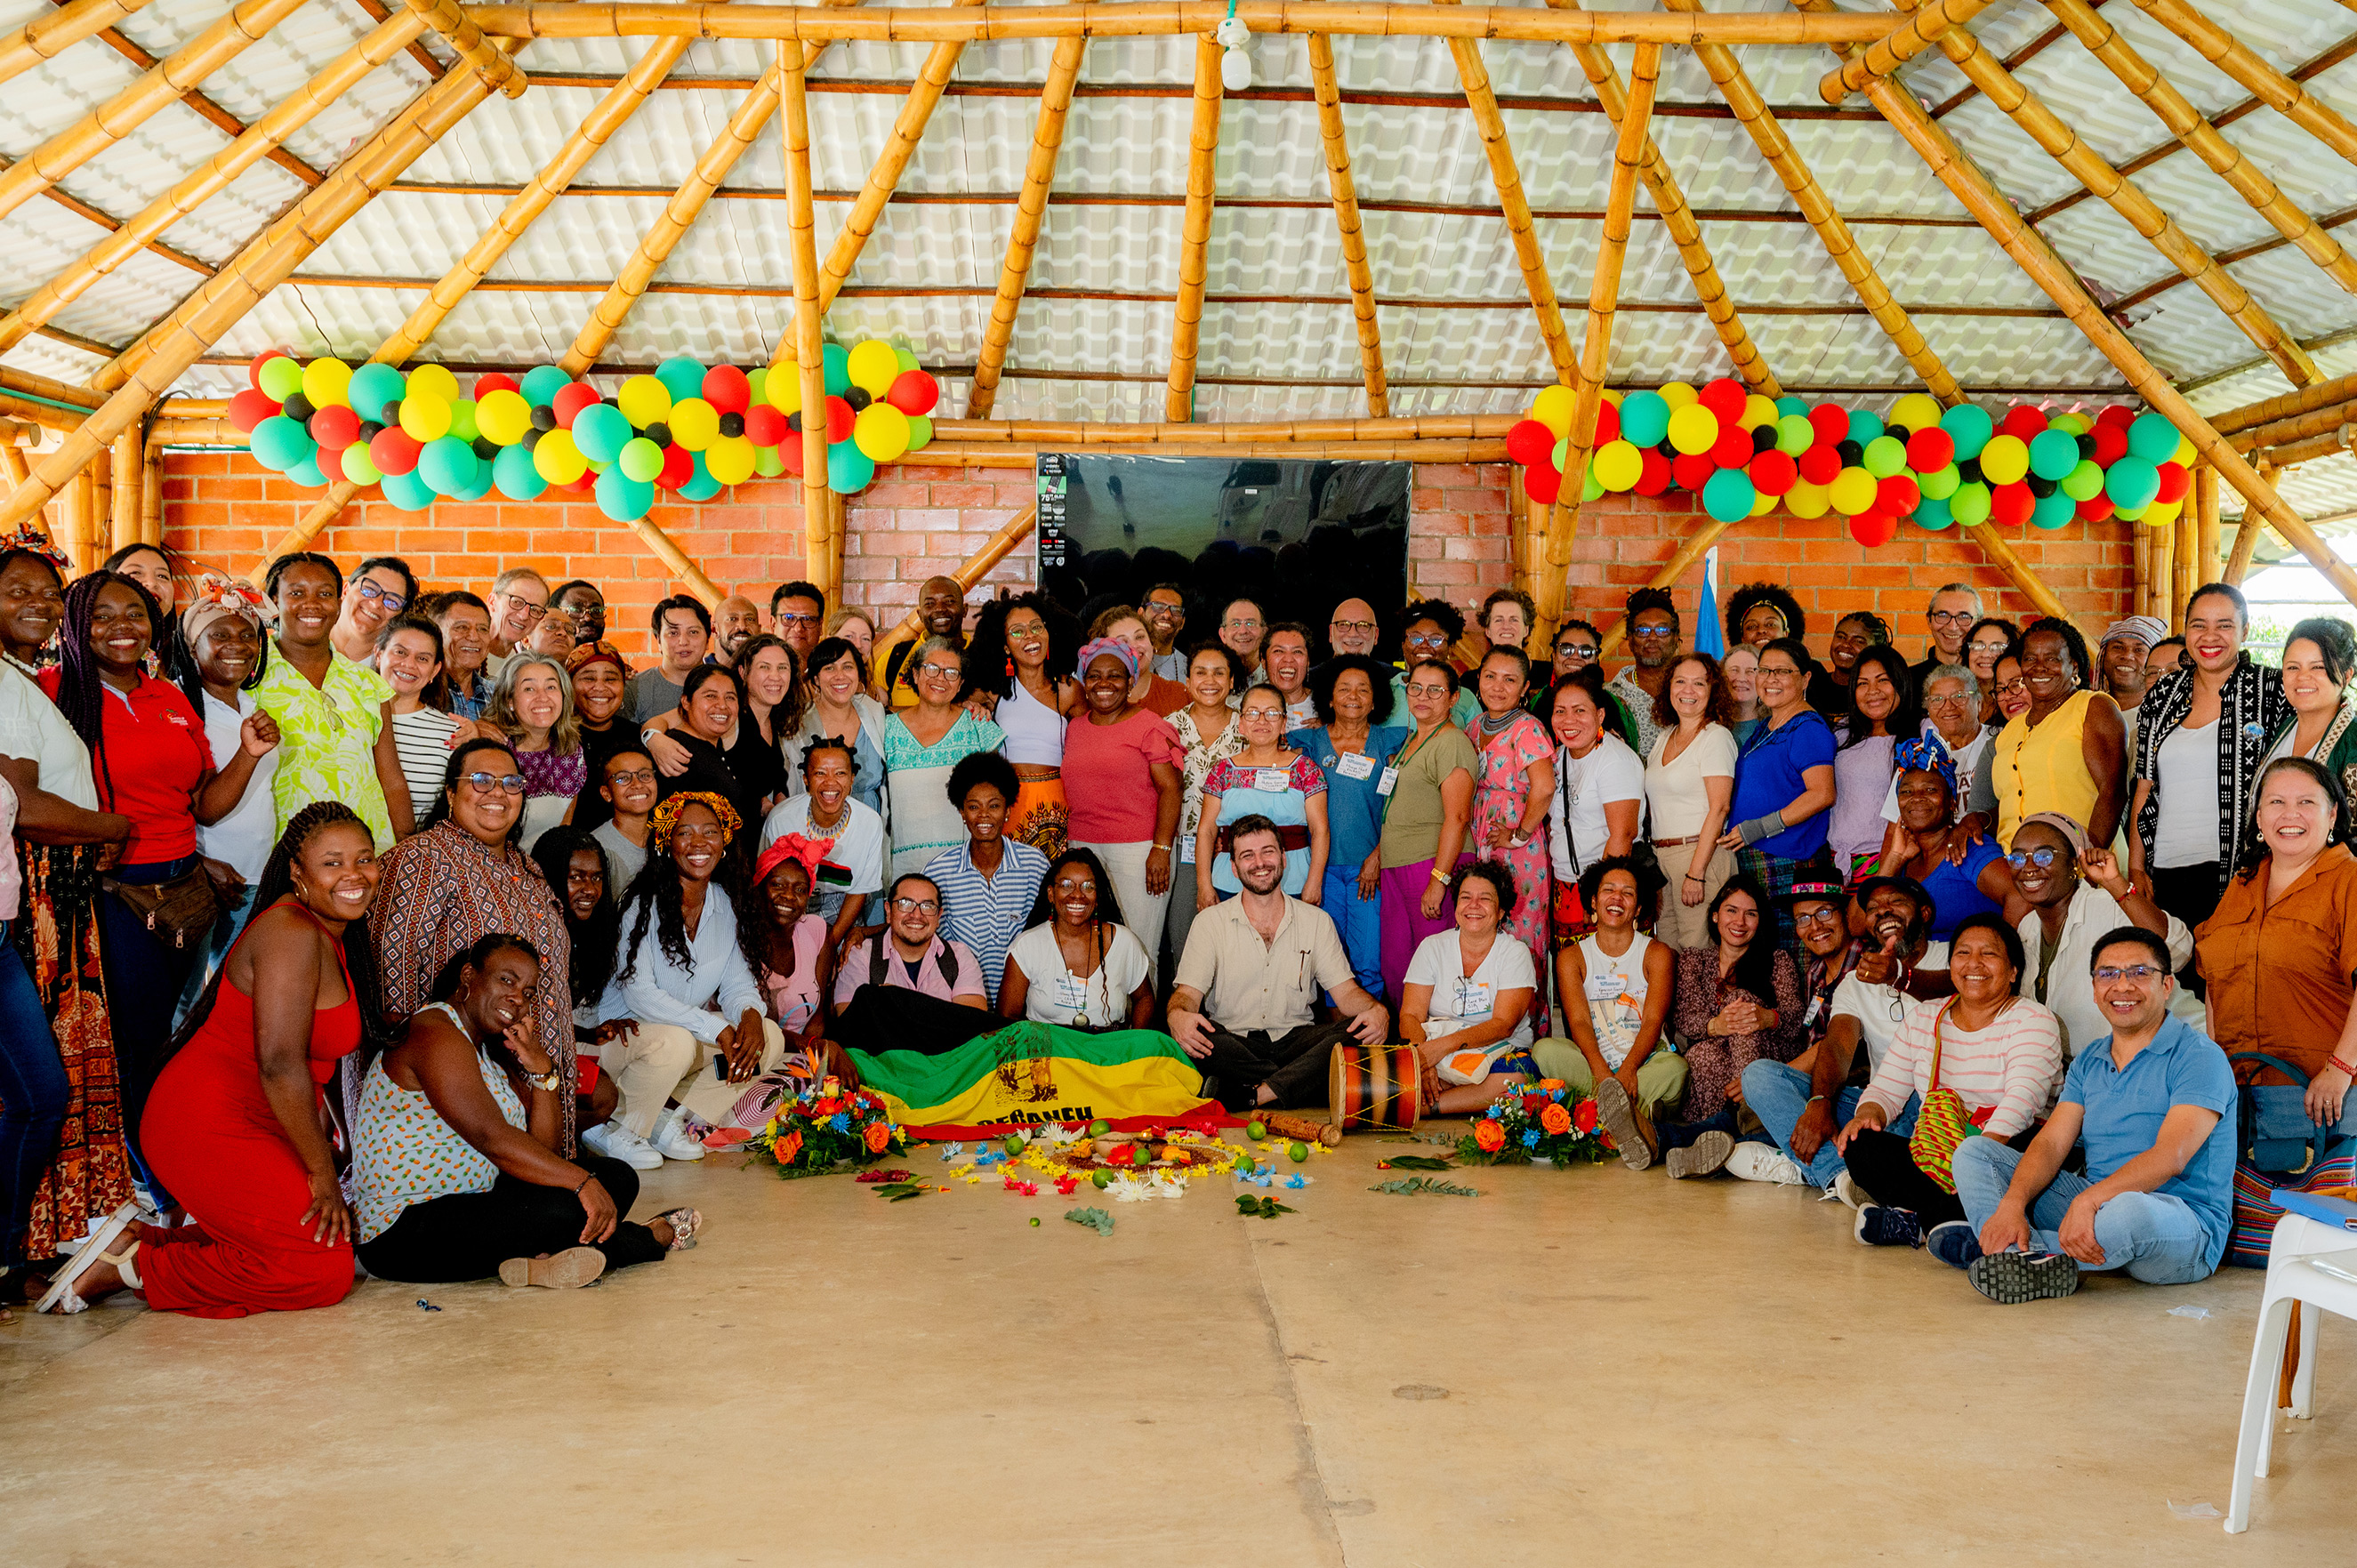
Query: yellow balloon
[(435, 380), (695, 424), (1852, 491), (729, 459), (1617, 466), (503, 416), (327, 383), (1916, 411), (881, 432), (1694, 429), (1554, 408), (2183, 457), (1613, 396), (1757, 410), (426, 418), (1678, 395), (2005, 459), (1807, 500), (1763, 504), (557, 460), (873, 366), (644, 399), (2160, 514), (784, 388)]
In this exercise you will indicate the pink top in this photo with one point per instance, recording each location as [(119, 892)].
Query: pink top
[(2011, 1068), (12, 875), (794, 999), (1107, 779)]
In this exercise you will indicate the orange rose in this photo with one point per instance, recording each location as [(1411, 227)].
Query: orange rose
[(1489, 1135), (1555, 1118), (790, 1146), (1549, 1085), (879, 1135)]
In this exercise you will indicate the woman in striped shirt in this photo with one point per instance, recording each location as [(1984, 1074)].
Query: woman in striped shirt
[(424, 731)]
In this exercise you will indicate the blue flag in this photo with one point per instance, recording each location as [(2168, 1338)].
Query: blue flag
[(1708, 636)]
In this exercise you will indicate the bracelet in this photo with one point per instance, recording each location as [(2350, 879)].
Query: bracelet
[(2343, 1066), (1811, 1101), (1692, 877), (1438, 874), (1163, 847), (586, 1177)]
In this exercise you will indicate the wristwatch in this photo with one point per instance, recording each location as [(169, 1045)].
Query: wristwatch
[(547, 1080)]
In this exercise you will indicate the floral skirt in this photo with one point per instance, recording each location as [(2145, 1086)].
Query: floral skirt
[(90, 1174), (1039, 816)]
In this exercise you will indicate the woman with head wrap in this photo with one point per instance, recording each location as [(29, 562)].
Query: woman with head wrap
[(1920, 845), (1121, 776)]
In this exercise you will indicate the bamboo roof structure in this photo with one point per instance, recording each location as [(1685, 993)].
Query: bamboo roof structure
[(1060, 210)]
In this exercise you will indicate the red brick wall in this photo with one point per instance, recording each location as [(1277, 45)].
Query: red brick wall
[(225, 511)]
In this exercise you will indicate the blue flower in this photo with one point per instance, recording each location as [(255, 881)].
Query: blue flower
[(839, 1122), (1530, 1138)]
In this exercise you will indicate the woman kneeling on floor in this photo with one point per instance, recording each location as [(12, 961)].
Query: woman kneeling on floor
[(457, 1179)]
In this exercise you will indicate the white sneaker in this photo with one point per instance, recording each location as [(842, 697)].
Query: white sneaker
[(1764, 1162), (1844, 1190), (671, 1139), (617, 1142)]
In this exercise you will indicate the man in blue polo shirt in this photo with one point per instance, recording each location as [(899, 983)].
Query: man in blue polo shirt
[(2150, 1104)]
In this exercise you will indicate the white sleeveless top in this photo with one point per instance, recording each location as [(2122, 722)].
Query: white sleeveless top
[(1615, 995), (1035, 732), (403, 1153)]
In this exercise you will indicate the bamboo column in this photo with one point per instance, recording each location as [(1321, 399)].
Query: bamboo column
[(12, 462), (1345, 190), (1030, 207), (2139, 570), (1195, 240), (802, 232), (168, 81), (99, 535), (977, 566), (1878, 62), (2278, 91), (2163, 579), (2205, 511), (151, 492), (77, 519), (122, 512), (2185, 567), (1596, 350), (261, 138), (463, 36), (2192, 127), (44, 37)]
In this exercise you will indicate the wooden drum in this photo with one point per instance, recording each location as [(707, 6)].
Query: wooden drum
[(1375, 1088)]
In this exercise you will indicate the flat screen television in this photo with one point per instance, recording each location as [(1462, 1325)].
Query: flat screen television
[(1298, 537)]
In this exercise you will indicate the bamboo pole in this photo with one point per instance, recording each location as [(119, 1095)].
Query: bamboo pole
[(2192, 127), (13, 434), (323, 511), (79, 517), (41, 414), (151, 491), (45, 37), (1158, 18), (977, 566), (263, 137), (2026, 582), (196, 432), (1000, 454), (2185, 567), (1677, 217), (1933, 24), (174, 343), (1195, 238), (1066, 434), (2331, 443), (2067, 148), (122, 512), (1345, 191), (666, 549), (1757, 119), (2164, 568), (2246, 542), (1596, 349), (2205, 509), (801, 248), (12, 461), (168, 81), (2282, 432), (1982, 198), (2272, 87), (2139, 570), (1698, 542), (26, 384), (495, 67), (1030, 207), (655, 245), (1481, 99), (100, 534)]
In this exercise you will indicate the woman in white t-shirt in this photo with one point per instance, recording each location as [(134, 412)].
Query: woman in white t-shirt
[(1076, 964), (1689, 779), (1599, 795), (1466, 1006)]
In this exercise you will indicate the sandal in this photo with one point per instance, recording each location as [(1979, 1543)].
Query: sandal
[(685, 1224), (60, 1297), (569, 1270)]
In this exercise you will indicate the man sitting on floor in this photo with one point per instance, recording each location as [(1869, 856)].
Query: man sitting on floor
[(2151, 1105), (1253, 967), (909, 988)]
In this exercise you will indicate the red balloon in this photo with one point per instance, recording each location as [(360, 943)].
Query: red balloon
[(586, 482), (2115, 413), (392, 450), (2022, 421), (249, 408), (1653, 477), (764, 426), (570, 400), (789, 453), (1724, 397), (1820, 465), (914, 393), (1542, 483), (492, 382), (1898, 495), (1774, 473), (1529, 443), (679, 467), (1874, 528), (2175, 481), (254, 370), (1733, 448), (2111, 444), (1831, 425), (725, 389), (2096, 507), (2010, 505), (1928, 451), (1692, 473), (1607, 422), (335, 427), (839, 420)]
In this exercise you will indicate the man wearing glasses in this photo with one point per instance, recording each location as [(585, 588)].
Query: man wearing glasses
[(683, 629), (379, 589), (1353, 628), (796, 610), (1954, 608), (911, 954), (1165, 614), (580, 602), (1655, 642), (2150, 1104), (941, 603), (519, 601)]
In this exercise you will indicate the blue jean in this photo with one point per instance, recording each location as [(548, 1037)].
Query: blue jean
[(1359, 922), (1777, 1095), (2156, 1238), (33, 1092), (237, 909)]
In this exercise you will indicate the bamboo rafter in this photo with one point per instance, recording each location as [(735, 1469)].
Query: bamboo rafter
[(494, 67), (323, 511), (42, 37), (2190, 127), (211, 178), (151, 492), (1195, 236), (2286, 406), (2330, 444), (801, 248), (2237, 60), (1030, 209), (25, 383), (1880, 60), (168, 81), (2282, 432), (1345, 192)]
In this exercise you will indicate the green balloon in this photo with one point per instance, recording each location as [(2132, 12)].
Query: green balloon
[(920, 432), (767, 463), (640, 459), (682, 377), (1941, 483), (1590, 486), (2084, 482), (1970, 504), (462, 420), (1794, 435), (281, 378), (1884, 455)]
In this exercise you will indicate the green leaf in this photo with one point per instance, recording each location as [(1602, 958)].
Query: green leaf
[(1413, 1186), (1419, 1163), (1096, 1219)]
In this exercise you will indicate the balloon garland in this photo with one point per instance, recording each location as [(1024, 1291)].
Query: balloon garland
[(1745, 455), (686, 428)]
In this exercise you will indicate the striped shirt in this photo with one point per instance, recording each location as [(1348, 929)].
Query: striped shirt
[(2014, 1064), (986, 913), (422, 741)]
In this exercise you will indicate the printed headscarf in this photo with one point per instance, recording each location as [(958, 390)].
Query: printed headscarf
[(664, 820)]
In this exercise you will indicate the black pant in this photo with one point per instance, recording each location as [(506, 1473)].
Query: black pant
[(467, 1235), (892, 1018), (1882, 1164), (1293, 1064), (2190, 893), (144, 975)]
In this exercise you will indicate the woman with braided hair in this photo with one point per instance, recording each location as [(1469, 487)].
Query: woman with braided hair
[(334, 716), (851, 876), (237, 1125), (1076, 963)]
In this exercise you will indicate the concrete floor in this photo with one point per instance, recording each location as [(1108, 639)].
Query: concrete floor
[(1670, 1372)]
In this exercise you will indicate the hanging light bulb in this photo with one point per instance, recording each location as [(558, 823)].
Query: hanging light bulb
[(1235, 60)]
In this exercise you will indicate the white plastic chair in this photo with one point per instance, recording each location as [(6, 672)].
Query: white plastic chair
[(2292, 1276)]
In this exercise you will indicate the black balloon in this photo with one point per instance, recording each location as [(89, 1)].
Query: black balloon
[(732, 425), (1968, 470), (1899, 432), (2040, 487), (794, 423), (530, 439), (659, 433), (368, 428), (857, 398), (2086, 447), (298, 408), (486, 448), (543, 419), (1851, 454)]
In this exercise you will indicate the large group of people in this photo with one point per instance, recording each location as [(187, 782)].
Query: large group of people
[(359, 926)]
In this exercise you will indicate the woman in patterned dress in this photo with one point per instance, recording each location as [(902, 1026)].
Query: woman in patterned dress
[(335, 717), (921, 745), (1511, 794)]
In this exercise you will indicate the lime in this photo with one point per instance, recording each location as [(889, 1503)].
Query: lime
[(1299, 1151), (1013, 1144), (1035, 1221), (1256, 1129), (1101, 1178), (1099, 1128), (1244, 1164)]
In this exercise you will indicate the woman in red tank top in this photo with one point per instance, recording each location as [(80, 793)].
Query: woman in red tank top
[(234, 1127)]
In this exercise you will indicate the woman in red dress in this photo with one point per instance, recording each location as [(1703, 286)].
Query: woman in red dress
[(234, 1127)]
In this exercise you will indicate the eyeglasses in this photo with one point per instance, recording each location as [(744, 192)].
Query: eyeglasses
[(797, 620), (1661, 628), (2138, 973), (385, 596), (1262, 714), (635, 776), (1070, 888), (1432, 689), (1428, 639), (1578, 652), (917, 906), (1956, 700), (941, 672), (531, 612), (1825, 915), (1948, 617), (584, 612), (1153, 609), (2016, 687), (484, 783), (2041, 858), (1779, 672), (1242, 623), (1359, 628), (1986, 645)]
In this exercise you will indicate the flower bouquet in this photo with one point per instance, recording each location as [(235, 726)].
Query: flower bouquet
[(828, 1129), (1538, 1121)]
